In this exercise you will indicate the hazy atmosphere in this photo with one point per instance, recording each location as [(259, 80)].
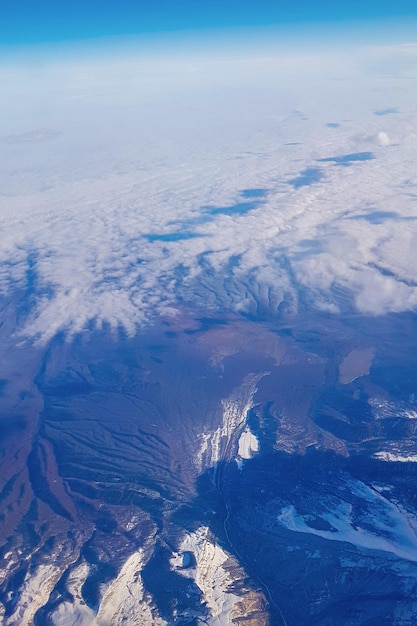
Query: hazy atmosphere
[(208, 300)]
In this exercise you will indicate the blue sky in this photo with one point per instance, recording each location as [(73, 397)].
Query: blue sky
[(36, 21)]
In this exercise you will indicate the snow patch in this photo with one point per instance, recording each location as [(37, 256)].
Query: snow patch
[(392, 531), (223, 443), (35, 594), (248, 446), (396, 458)]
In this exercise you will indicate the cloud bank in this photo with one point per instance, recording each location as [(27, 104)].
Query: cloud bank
[(134, 188)]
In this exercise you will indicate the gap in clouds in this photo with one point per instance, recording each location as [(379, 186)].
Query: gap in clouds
[(347, 159), (307, 177)]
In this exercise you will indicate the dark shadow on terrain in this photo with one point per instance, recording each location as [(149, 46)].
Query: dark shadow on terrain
[(174, 594)]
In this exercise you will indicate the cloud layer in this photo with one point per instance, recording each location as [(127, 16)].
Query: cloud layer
[(132, 189)]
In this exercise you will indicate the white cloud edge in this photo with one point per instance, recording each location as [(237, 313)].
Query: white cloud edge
[(84, 229)]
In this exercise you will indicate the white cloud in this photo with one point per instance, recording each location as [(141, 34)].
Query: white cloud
[(135, 150), (383, 138)]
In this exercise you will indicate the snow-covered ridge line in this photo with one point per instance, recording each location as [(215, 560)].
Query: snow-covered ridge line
[(123, 601), (223, 443), (217, 573)]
